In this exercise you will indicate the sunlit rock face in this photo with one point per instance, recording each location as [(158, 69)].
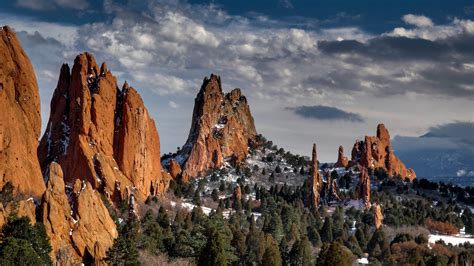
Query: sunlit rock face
[(222, 129), (20, 119), (376, 152), (102, 134)]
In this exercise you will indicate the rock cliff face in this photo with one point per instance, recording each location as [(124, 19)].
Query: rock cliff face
[(20, 120), (222, 129), (76, 231), (342, 161), (102, 134), (314, 183), (376, 151)]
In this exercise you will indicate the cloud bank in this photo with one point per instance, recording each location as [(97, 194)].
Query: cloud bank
[(325, 113)]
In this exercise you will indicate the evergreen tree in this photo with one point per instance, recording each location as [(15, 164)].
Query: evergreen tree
[(162, 218), (24, 244), (378, 246), (301, 252), (335, 254), (152, 234), (124, 250), (272, 256), (215, 195), (214, 252), (326, 231)]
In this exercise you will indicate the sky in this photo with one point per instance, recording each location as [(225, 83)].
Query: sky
[(324, 72)]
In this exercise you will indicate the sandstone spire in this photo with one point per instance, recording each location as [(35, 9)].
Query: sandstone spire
[(221, 129), (102, 134), (364, 187), (20, 120), (314, 182), (376, 151), (378, 216), (342, 161)]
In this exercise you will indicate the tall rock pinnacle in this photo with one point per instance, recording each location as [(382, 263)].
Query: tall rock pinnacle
[(342, 161), (314, 183), (222, 128), (376, 151), (102, 134), (20, 119), (364, 187)]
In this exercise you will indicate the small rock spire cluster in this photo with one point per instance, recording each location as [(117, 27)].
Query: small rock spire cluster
[(376, 152)]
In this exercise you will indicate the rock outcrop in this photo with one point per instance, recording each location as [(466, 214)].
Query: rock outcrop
[(376, 152), (20, 119), (174, 169), (22, 208), (102, 134), (364, 187), (314, 183), (79, 233), (378, 216), (342, 161), (222, 129)]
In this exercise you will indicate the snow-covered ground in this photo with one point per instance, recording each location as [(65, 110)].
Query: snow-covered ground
[(454, 240)]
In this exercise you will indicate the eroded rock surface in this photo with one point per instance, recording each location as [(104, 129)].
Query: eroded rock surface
[(20, 119)]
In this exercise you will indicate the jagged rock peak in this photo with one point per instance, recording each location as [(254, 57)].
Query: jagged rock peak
[(342, 161), (102, 134), (222, 129), (20, 119), (376, 152)]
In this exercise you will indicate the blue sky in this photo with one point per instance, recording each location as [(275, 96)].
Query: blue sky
[(307, 67)]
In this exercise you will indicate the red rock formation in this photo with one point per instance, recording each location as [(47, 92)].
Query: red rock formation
[(56, 215), (20, 119), (95, 231), (376, 151), (102, 134), (364, 187), (221, 129), (86, 230), (342, 161), (174, 169), (378, 216), (314, 183), (23, 208)]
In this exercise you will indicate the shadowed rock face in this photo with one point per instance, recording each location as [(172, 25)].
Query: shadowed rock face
[(221, 129), (102, 134), (20, 119), (364, 187), (376, 151)]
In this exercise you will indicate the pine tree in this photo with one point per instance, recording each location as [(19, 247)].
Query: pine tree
[(215, 195), (213, 253), (335, 254), (326, 231), (272, 256), (301, 252), (24, 244), (124, 250)]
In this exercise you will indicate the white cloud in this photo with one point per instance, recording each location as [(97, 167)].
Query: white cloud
[(173, 105), (417, 20)]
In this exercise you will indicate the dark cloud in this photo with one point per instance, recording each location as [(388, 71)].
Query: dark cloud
[(321, 112), (395, 48), (52, 4), (461, 131)]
